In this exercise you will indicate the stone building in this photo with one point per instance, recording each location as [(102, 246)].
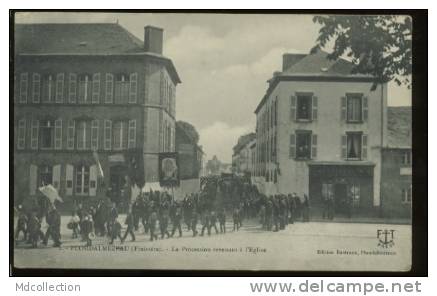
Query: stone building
[(319, 132), (80, 88)]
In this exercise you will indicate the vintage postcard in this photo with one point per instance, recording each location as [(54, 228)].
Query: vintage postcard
[(212, 141)]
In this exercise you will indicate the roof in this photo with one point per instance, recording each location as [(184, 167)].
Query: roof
[(243, 141), (399, 127), (81, 39), (315, 66)]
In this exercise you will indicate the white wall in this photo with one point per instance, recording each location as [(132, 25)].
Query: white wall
[(328, 127)]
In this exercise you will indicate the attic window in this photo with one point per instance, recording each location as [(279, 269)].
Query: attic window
[(83, 43)]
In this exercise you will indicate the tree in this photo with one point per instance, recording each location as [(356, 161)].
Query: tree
[(190, 130), (377, 45)]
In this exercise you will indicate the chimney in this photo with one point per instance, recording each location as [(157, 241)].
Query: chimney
[(289, 59), (153, 37)]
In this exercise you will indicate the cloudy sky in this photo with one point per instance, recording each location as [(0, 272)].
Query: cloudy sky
[(223, 60)]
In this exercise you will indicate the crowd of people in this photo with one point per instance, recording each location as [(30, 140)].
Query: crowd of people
[(157, 215)]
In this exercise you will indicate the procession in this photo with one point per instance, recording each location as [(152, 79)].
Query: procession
[(157, 215)]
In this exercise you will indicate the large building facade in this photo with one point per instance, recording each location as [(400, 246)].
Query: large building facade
[(81, 88), (319, 131)]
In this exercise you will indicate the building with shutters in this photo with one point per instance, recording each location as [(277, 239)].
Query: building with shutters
[(319, 132), (242, 156), (80, 88), (397, 160)]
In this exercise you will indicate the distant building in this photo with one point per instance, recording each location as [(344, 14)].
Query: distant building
[(242, 156), (85, 87), (190, 154), (320, 130), (396, 178)]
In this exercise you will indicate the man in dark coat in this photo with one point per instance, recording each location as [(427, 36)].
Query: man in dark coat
[(213, 221), (21, 223), (222, 220), (115, 231), (54, 229), (176, 221), (87, 228), (194, 219), (163, 221), (153, 218), (206, 220), (34, 229), (236, 219), (130, 222)]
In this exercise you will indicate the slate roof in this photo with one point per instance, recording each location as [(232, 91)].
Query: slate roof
[(399, 127), (75, 38), (81, 39), (319, 64), (316, 65)]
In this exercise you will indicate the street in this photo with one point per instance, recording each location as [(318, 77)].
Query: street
[(301, 246)]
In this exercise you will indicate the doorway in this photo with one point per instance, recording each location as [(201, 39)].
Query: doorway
[(340, 198), (117, 182)]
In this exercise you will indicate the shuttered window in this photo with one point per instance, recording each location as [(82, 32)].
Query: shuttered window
[(21, 139), (72, 91), (344, 146), (36, 88), (95, 134), (69, 170), (34, 131), (315, 105), (58, 134), (365, 108), (364, 147), (133, 89), (60, 88), (96, 88), (314, 146), (70, 134), (24, 86), (132, 134), (343, 108), (109, 88), (107, 134)]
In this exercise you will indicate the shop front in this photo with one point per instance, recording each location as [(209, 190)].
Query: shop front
[(346, 188)]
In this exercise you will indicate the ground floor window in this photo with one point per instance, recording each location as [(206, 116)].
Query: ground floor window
[(354, 190), (82, 180), (327, 191)]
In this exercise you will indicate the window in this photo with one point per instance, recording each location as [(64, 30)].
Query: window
[(49, 88), (406, 157), (21, 141), (46, 175), (84, 88), (24, 85), (119, 131), (82, 180), (354, 190), (406, 194), (354, 108), (47, 130), (121, 88), (354, 145), (327, 191), (304, 107), (303, 145), (83, 135)]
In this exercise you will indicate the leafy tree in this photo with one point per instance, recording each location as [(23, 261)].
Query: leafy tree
[(378, 45), (190, 130)]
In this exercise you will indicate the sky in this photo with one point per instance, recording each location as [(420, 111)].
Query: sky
[(224, 61)]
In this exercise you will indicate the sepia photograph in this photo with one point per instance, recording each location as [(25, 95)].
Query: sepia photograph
[(212, 141)]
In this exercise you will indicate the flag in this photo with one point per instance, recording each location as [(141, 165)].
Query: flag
[(135, 192), (99, 166), (51, 193)]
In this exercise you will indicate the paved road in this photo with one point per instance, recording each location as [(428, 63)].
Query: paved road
[(301, 246)]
